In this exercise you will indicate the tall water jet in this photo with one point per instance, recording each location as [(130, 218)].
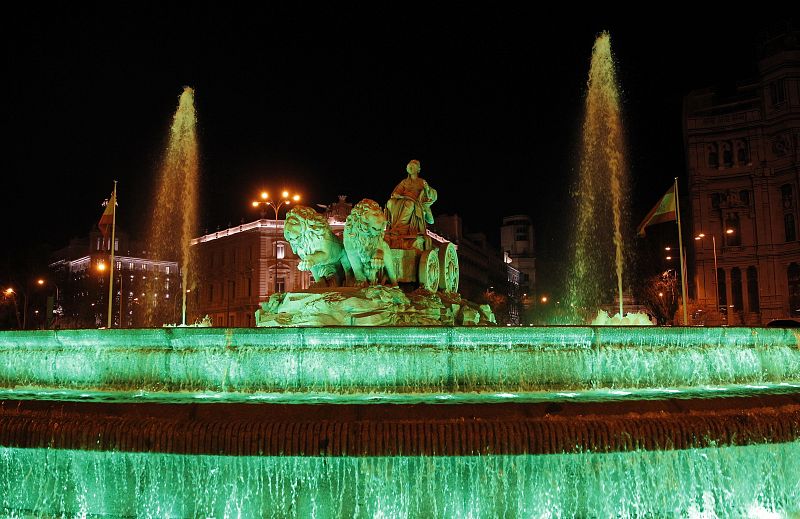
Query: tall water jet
[(601, 194), (175, 213)]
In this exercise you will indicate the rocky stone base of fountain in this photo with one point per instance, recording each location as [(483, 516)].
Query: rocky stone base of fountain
[(371, 306)]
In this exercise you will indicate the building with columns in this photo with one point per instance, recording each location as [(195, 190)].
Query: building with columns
[(743, 159)]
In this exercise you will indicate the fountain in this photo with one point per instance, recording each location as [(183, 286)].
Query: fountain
[(601, 194), (430, 420), (175, 215)]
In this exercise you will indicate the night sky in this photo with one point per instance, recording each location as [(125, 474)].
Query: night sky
[(329, 102)]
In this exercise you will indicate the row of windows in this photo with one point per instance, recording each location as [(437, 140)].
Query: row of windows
[(732, 219), (737, 302), (727, 151), (231, 256), (246, 289)]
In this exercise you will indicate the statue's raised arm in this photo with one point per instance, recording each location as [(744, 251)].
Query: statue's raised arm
[(408, 211)]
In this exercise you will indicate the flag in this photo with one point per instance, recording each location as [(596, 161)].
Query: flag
[(663, 211), (107, 218)]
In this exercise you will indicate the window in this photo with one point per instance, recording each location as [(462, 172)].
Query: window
[(130, 265), (777, 92), (793, 277), (789, 227), (280, 251), (786, 195), (732, 223), (744, 196), (249, 287), (722, 291), (727, 154), (742, 157), (116, 244), (166, 269), (119, 265), (713, 156), (736, 288), (280, 284), (752, 290), (99, 243), (716, 200)]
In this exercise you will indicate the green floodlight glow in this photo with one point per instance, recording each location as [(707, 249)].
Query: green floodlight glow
[(751, 481), (348, 362)]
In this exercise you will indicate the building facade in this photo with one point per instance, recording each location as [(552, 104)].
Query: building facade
[(485, 272), (743, 159), (241, 266), (519, 249)]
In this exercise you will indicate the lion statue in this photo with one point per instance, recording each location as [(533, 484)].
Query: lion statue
[(319, 250), (364, 243)]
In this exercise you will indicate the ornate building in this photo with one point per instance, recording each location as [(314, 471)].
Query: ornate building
[(81, 274), (743, 158)]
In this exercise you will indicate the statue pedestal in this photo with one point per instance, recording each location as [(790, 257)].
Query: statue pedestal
[(370, 306)]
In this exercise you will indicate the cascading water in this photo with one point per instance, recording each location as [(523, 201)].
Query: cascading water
[(175, 214), (601, 194)]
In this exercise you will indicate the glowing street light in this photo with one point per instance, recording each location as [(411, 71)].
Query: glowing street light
[(276, 205)]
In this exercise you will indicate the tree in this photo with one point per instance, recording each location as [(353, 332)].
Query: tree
[(660, 294)]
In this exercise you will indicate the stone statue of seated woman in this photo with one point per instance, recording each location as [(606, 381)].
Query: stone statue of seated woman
[(408, 211)]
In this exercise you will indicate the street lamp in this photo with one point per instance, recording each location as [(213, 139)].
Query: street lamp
[(10, 292), (276, 204), (714, 246), (56, 309)]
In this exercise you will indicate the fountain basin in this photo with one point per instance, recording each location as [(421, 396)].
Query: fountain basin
[(397, 364), (411, 422)]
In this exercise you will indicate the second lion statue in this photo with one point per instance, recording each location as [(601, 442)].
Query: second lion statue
[(367, 251)]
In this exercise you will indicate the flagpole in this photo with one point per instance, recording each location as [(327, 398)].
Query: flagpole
[(113, 203), (680, 247)]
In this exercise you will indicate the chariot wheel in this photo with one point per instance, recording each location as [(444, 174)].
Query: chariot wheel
[(428, 274), (448, 268)]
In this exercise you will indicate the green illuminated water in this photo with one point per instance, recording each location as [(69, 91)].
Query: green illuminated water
[(424, 363), (751, 481)]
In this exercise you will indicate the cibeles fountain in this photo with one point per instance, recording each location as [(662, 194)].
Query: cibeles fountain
[(384, 271), (418, 416)]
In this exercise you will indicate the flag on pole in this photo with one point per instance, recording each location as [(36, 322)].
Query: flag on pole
[(663, 211), (107, 218)]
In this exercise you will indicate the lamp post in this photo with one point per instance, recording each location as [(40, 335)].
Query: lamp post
[(276, 205), (56, 308), (716, 270)]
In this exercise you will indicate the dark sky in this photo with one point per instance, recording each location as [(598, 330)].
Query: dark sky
[(337, 101)]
